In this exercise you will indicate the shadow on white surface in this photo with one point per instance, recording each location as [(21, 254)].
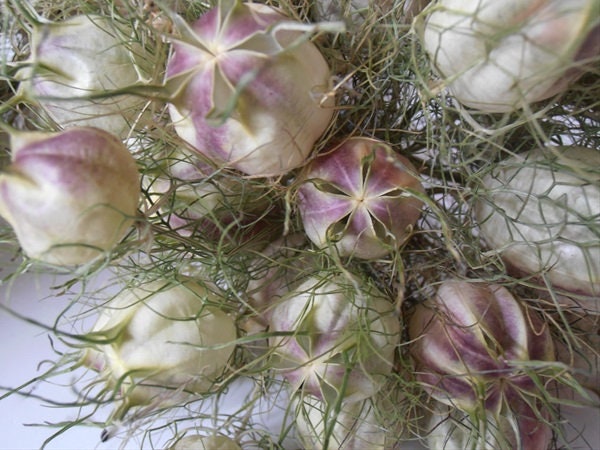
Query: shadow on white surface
[(24, 354)]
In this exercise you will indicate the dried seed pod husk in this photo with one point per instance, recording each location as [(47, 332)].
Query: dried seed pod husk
[(76, 64), (540, 211), (502, 56)]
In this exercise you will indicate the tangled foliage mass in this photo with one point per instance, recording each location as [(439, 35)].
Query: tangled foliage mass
[(380, 218)]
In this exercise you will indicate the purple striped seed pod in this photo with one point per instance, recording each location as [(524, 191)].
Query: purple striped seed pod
[(253, 89), (69, 196), (361, 198), (472, 344), (333, 338)]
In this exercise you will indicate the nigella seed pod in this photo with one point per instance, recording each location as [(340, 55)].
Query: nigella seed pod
[(470, 344), (354, 426), (468, 336), (213, 442), (502, 56), (69, 196), (540, 211), (251, 90), (361, 198), (452, 429), (281, 267), (162, 339), (334, 337), (76, 63)]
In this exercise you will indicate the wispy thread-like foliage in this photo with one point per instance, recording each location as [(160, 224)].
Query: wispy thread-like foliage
[(385, 88)]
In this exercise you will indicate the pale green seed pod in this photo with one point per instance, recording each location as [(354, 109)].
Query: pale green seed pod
[(213, 442), (162, 339)]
